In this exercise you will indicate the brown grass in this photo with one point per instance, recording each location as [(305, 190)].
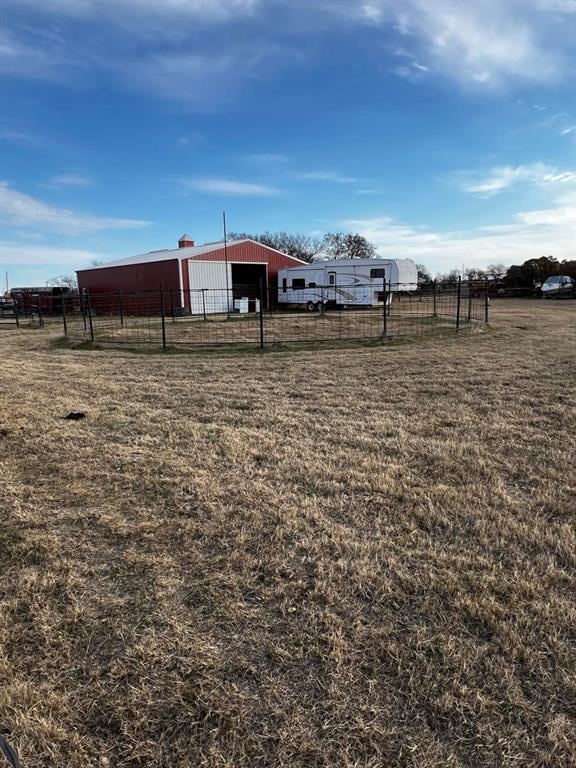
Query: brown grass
[(359, 557)]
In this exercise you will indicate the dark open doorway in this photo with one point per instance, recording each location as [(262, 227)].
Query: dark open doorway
[(246, 281)]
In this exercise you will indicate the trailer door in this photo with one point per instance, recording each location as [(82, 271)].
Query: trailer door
[(331, 289)]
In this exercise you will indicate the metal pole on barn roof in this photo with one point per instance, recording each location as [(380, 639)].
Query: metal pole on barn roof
[(226, 262)]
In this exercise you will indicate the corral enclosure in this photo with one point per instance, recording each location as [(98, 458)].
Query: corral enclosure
[(245, 317), (359, 557)]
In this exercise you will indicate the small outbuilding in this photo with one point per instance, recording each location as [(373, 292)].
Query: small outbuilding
[(240, 266)]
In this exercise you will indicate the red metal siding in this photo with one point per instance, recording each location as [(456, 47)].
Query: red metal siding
[(147, 276), (255, 252)]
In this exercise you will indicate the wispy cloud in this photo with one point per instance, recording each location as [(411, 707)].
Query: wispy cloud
[(530, 235), (568, 130), (330, 176), (505, 176), (203, 79), (267, 158), (460, 40), (18, 255), (67, 180), (550, 216), (231, 187), (18, 209)]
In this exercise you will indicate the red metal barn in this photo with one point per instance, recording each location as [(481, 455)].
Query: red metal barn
[(187, 271)]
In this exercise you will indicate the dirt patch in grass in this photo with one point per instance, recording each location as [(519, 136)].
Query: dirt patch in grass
[(352, 557)]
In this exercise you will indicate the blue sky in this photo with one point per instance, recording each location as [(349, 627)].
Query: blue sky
[(443, 131)]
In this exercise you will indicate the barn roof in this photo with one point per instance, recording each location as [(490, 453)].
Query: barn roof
[(180, 253)]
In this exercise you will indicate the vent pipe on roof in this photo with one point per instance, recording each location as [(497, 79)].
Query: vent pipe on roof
[(185, 242)]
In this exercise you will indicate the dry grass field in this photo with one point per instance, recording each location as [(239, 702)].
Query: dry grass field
[(358, 557)]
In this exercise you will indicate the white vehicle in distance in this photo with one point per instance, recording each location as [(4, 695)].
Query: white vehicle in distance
[(558, 286), (346, 282)]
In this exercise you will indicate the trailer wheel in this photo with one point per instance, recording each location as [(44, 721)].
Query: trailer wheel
[(319, 307), (311, 307)]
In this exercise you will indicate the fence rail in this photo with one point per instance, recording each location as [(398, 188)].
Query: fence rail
[(246, 315)]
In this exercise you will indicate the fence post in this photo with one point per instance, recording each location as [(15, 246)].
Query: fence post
[(434, 310), (203, 303), (90, 315), (64, 317), (469, 302), (16, 317), (458, 299), (385, 316), (121, 308), (83, 307), (486, 300), (163, 318), (261, 314)]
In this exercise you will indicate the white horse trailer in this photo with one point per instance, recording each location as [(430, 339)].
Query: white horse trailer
[(346, 282)]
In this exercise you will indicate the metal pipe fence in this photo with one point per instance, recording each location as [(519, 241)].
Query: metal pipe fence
[(262, 317)]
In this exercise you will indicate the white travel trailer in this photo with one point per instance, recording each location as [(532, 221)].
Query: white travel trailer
[(345, 282)]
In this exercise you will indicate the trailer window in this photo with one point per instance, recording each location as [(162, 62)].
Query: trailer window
[(331, 278), (311, 285), (377, 273), (298, 282), (284, 283)]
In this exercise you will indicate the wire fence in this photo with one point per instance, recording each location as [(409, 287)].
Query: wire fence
[(13, 314), (249, 316)]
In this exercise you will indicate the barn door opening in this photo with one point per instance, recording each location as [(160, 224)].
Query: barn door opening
[(246, 281)]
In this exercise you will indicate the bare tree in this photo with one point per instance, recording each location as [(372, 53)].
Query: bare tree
[(340, 245), (299, 245), (63, 281), (424, 275), (496, 271)]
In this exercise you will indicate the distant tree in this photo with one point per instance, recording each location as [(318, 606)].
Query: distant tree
[(63, 281), (450, 277), (533, 271), (423, 275), (299, 245), (96, 262), (568, 267), (496, 271), (340, 245), (475, 274)]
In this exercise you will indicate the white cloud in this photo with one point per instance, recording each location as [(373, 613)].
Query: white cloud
[(551, 216), (17, 255), (18, 209), (38, 58), (506, 176), (267, 158), (170, 18), (202, 79), (68, 180), (168, 48), (231, 187), (568, 130), (485, 43), (533, 234), (331, 176)]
